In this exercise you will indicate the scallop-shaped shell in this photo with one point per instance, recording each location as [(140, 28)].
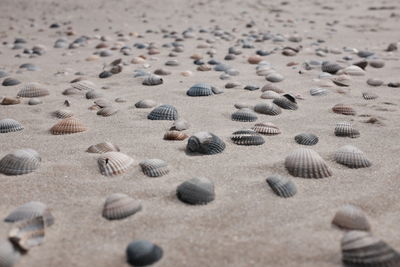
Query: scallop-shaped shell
[(180, 125), (270, 95), (107, 111), (342, 80), (143, 253), (374, 82), (84, 85), (360, 248), (247, 137), (330, 67), (10, 125), (152, 80), (352, 71), (369, 96), (28, 233), (119, 206), (101, 148), (266, 128), (350, 217), (9, 255), (19, 162), (318, 91), (282, 186), (196, 191), (244, 114), (154, 167), (306, 139), (68, 126), (267, 108), (200, 89), (31, 210), (274, 77), (146, 103), (163, 112), (205, 143), (285, 103), (352, 157), (92, 94), (33, 90), (343, 109), (306, 163), (272, 87), (114, 163), (346, 129), (63, 113), (175, 135)]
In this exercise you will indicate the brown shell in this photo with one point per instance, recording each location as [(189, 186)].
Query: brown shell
[(28, 233), (68, 126), (175, 135), (343, 109), (254, 59), (350, 217), (10, 101)]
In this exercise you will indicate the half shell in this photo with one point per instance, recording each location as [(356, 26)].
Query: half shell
[(114, 163), (350, 217), (107, 111), (19, 162), (175, 135), (143, 253), (267, 108), (31, 210), (33, 90), (247, 137), (196, 191), (119, 206), (152, 80), (282, 186), (154, 167), (346, 129), (63, 113), (163, 112), (205, 143), (103, 148), (266, 128), (68, 126), (307, 163), (306, 139), (200, 89), (343, 109), (352, 157), (146, 103), (244, 115), (28, 233), (285, 103), (10, 125)]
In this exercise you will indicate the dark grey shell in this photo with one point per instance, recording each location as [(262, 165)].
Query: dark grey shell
[(27, 234), (152, 80), (330, 67), (244, 115), (154, 167), (266, 128), (247, 137), (9, 254), (10, 82), (267, 108), (10, 125), (307, 163), (196, 191), (285, 103), (350, 217), (143, 253), (306, 139), (119, 206), (19, 162), (345, 129), (31, 210), (163, 112), (352, 157), (205, 143), (200, 89), (282, 186)]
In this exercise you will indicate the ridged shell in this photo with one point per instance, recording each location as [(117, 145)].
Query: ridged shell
[(244, 115), (102, 103), (285, 103), (84, 85), (306, 139), (342, 80), (10, 82), (369, 96), (154, 167), (270, 95), (361, 249), (143, 253), (247, 137), (101, 148), (31, 210), (205, 143), (272, 87), (274, 77), (175, 135), (10, 125), (68, 126), (119, 206), (92, 94), (306, 163), (63, 113), (352, 157), (266, 128), (318, 91), (346, 129), (19, 162), (267, 108), (330, 67), (352, 71), (180, 125), (343, 109), (33, 90), (146, 103), (200, 89), (282, 186), (114, 163), (163, 112), (196, 191), (28, 233), (9, 255), (152, 80), (107, 111), (350, 217)]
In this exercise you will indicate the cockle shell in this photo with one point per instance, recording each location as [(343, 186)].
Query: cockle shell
[(306, 163), (307, 139), (107, 111), (146, 103), (244, 115), (196, 191), (154, 167), (272, 87), (19, 162), (350, 217), (282, 186), (163, 112), (143, 253), (369, 96), (63, 113), (267, 108), (34, 101), (9, 254), (114, 163), (152, 80), (266, 128), (247, 137), (180, 125), (352, 71), (103, 148), (200, 89), (84, 85), (352, 157), (342, 80), (374, 82), (68, 126), (119, 206), (346, 129), (343, 109), (270, 95), (175, 135), (10, 125), (285, 103), (205, 143), (318, 91), (92, 94), (31, 210), (102, 103), (33, 90), (330, 67), (28, 233)]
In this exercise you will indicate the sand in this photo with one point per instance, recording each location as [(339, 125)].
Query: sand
[(246, 225)]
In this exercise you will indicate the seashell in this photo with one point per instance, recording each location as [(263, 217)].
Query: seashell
[(196, 191), (19, 162), (247, 137), (3, 74), (306, 163), (285, 103), (138, 60), (33, 90), (180, 125), (200, 89), (28, 233), (119, 206), (34, 101), (10, 125), (362, 64), (244, 114), (120, 100), (163, 112), (306, 139), (9, 255), (31, 210), (63, 113), (352, 157), (251, 87), (205, 143), (102, 103), (154, 167), (346, 129), (84, 85), (377, 63), (172, 63), (107, 111), (330, 67), (350, 217), (162, 72), (204, 68), (374, 82), (243, 105), (92, 58), (323, 83), (274, 77), (10, 82), (141, 73), (113, 163), (92, 94), (152, 80), (232, 57), (369, 96), (187, 73), (232, 72), (318, 91), (72, 91), (232, 85), (10, 101), (270, 95), (196, 56), (103, 148), (342, 80), (266, 128), (146, 103), (143, 253), (364, 53), (352, 71), (254, 59), (343, 109), (271, 87), (360, 248), (267, 108), (282, 186), (391, 47), (68, 126), (175, 135), (221, 67)]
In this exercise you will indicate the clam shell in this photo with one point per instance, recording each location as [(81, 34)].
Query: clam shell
[(267, 108), (163, 112), (101, 148), (204, 67), (247, 137), (244, 114), (254, 59), (154, 167), (270, 95), (143, 253), (34, 101), (72, 91), (84, 85), (200, 89), (205, 143), (175, 135), (352, 157), (374, 82), (68, 126), (33, 90), (162, 72), (146, 103), (377, 63), (274, 77), (342, 80), (180, 125), (243, 105), (10, 101), (282, 186), (346, 129), (119, 206), (19, 162), (350, 217), (9, 255), (28, 233), (10, 82), (107, 111), (31, 210), (172, 63), (285, 103), (272, 87), (369, 96), (330, 67), (10, 125), (92, 94), (307, 139), (343, 109), (306, 163), (152, 80), (352, 71), (196, 191), (63, 113), (318, 91), (113, 163), (266, 128), (102, 103)]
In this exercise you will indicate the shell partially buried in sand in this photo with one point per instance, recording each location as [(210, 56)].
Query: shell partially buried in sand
[(247, 137), (307, 139), (119, 206), (9, 254), (31, 210), (68, 126), (352, 157), (154, 167), (306, 163), (114, 163), (196, 191), (10, 125), (143, 253), (282, 186), (267, 108), (205, 143), (163, 112), (28, 233), (33, 90), (345, 129), (20, 162), (266, 128), (244, 115), (200, 89), (175, 135), (103, 148), (343, 109), (350, 217)]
